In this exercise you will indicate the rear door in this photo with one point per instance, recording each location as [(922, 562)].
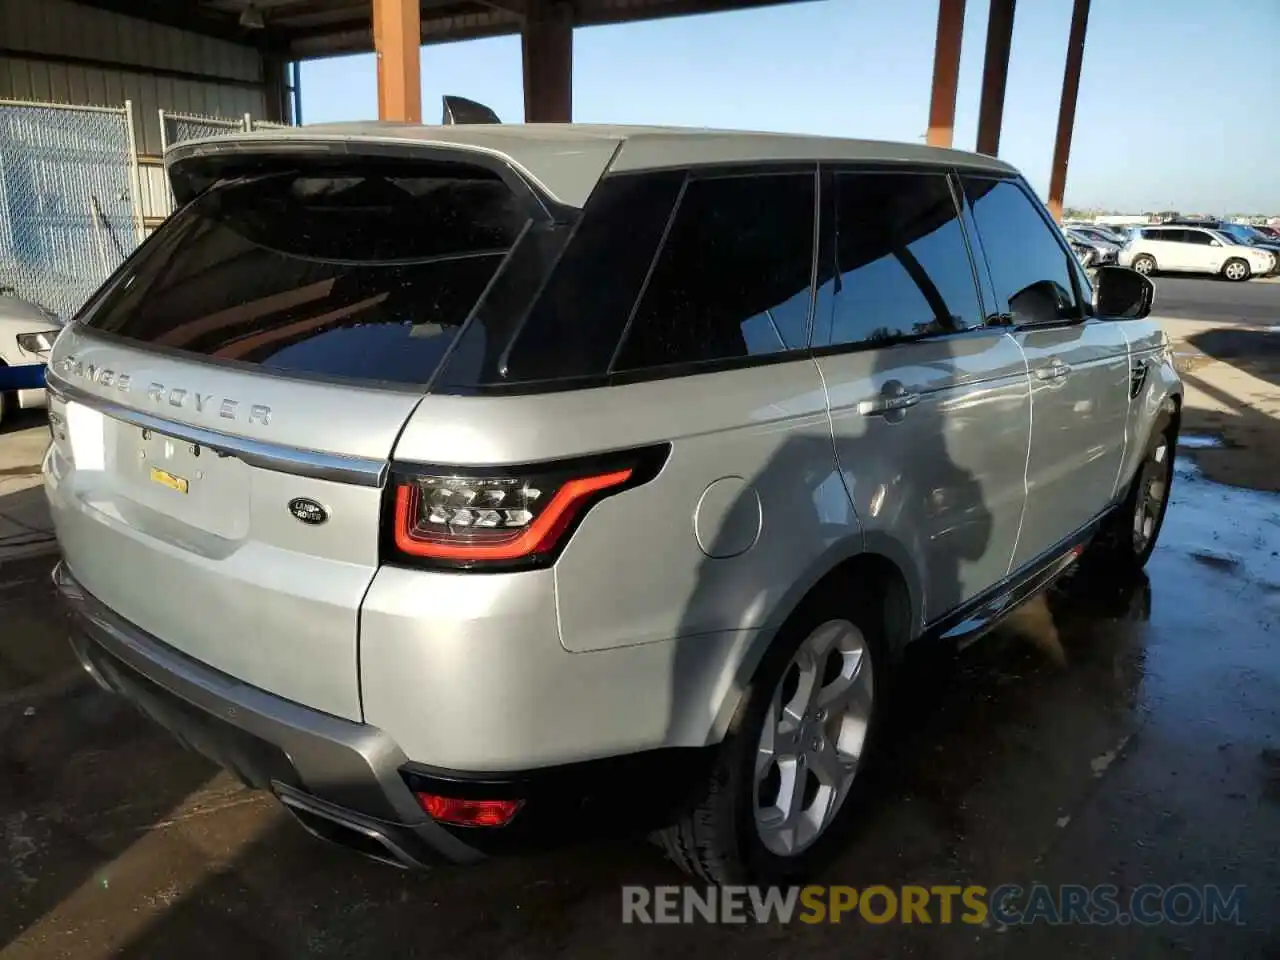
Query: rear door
[(1170, 249), (1203, 251), (224, 411), (1079, 367), (930, 407)]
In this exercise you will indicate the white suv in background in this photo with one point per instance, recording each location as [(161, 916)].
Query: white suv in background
[(1193, 250)]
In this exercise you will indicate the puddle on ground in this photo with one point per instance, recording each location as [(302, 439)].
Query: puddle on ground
[(1186, 362), (1200, 441)]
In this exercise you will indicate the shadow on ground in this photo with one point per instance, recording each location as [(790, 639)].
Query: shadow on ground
[(1152, 755), (1240, 389)]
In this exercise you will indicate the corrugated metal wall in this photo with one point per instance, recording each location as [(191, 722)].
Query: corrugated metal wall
[(59, 27)]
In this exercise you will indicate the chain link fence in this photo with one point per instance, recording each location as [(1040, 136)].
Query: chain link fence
[(68, 216), (74, 200), (177, 127)]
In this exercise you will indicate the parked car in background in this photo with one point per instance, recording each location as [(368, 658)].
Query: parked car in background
[(1084, 252), (1091, 247), (1266, 231), (473, 487), (1246, 234), (1194, 250), (1105, 234), (27, 332)]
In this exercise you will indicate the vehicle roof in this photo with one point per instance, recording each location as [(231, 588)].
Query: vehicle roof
[(568, 159)]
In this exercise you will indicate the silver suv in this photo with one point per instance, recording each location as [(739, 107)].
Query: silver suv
[(474, 487)]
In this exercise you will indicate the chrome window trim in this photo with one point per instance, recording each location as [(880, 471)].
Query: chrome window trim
[(360, 471)]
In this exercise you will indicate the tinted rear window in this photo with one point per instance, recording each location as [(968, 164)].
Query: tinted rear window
[(366, 275)]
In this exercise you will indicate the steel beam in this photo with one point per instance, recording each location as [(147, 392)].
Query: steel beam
[(1067, 109), (946, 72), (995, 71), (547, 49), (397, 39)]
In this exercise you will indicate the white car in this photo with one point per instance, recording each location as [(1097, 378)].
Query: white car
[(1193, 250), (27, 332)]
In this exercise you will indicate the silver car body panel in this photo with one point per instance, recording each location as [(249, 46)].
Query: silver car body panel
[(750, 488), (647, 629), (1079, 377), (223, 572), (938, 484)]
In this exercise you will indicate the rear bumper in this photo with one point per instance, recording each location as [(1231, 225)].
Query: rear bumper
[(350, 782), (337, 776)]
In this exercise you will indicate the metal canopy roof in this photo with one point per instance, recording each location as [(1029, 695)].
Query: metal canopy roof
[(315, 28)]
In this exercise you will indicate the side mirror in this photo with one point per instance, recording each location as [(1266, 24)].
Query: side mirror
[(1038, 303), (1215, 243), (1122, 294)]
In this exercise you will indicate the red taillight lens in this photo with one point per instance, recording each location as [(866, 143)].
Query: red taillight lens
[(469, 813), (512, 517)]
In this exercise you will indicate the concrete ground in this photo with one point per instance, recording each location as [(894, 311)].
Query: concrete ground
[(1125, 732), (1255, 302)]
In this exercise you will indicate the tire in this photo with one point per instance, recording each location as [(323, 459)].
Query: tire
[(1236, 270), (725, 836), (1128, 539), (1144, 264)]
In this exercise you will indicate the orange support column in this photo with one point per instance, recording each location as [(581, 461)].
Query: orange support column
[(547, 49), (995, 71), (397, 38), (946, 72), (1067, 110)]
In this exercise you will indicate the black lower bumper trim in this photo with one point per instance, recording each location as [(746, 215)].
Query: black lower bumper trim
[(594, 799)]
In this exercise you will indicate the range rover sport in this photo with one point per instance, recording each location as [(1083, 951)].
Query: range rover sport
[(472, 488)]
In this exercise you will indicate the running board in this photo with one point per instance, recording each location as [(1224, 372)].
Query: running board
[(976, 619)]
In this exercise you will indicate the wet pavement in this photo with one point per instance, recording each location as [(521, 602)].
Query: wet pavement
[(1150, 754)]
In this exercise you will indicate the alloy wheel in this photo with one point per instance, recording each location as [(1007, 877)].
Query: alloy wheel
[(813, 737), (1152, 492), (1236, 271)]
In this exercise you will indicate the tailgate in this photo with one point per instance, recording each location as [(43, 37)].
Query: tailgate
[(188, 532), (223, 412)]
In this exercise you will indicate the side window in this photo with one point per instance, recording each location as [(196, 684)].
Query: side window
[(1170, 236), (734, 277), (1029, 267), (1198, 237), (902, 268)]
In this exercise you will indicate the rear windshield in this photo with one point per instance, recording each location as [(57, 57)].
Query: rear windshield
[(365, 275)]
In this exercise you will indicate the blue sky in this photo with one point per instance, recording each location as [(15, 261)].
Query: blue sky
[(1179, 99)]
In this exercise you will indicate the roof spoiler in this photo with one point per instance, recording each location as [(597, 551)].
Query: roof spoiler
[(461, 110)]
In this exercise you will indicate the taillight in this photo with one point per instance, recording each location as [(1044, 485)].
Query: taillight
[(504, 517)]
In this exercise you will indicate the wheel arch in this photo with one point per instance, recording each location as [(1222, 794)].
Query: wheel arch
[(1248, 267), (879, 565)]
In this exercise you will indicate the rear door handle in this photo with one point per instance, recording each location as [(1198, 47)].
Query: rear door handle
[(1053, 371), (889, 402)]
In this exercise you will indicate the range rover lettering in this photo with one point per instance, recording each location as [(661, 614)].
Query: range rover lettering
[(643, 455)]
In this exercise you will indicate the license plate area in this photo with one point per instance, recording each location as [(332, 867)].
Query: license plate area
[(186, 481)]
